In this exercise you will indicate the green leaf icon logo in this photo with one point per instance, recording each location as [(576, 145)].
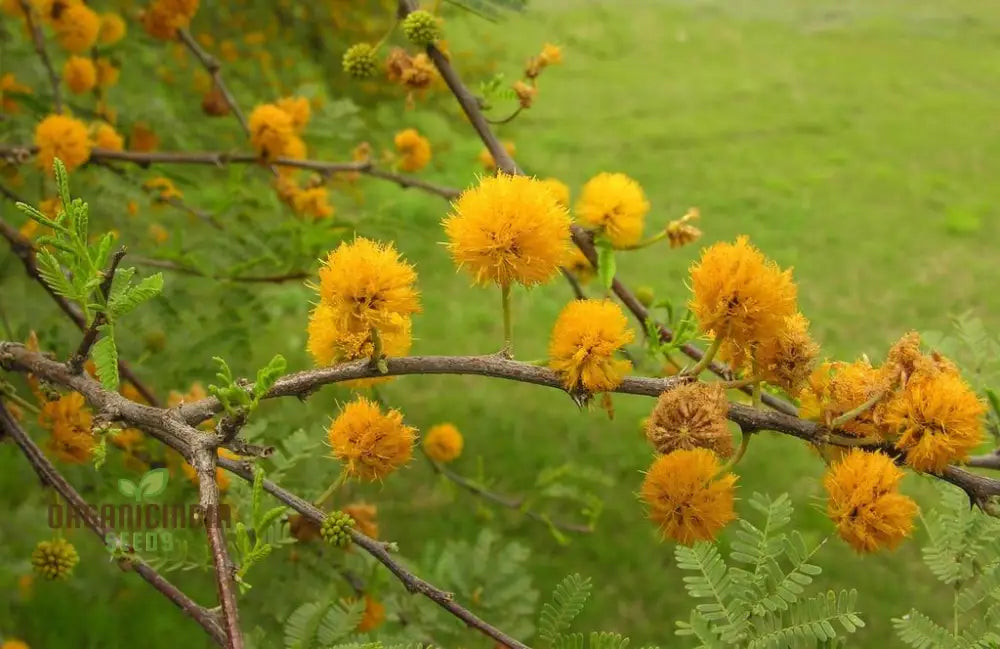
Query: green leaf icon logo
[(127, 487), (152, 484)]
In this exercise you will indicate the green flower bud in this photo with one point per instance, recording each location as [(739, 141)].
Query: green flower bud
[(360, 61), (336, 529), (54, 559), (422, 28)]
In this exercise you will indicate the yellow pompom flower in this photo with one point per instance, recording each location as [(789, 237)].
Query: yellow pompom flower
[(585, 338), (787, 359), (10, 84), (508, 229), (551, 54), (80, 74), (107, 73), (414, 149), (687, 498), (443, 443), (313, 201), (938, 418), (77, 27), (691, 416), (369, 286), (370, 443), (112, 29), (54, 559), (68, 420), (162, 18), (298, 109), (864, 501), (741, 296), (58, 136), (615, 206), (330, 343), (271, 130), (106, 137), (559, 190)]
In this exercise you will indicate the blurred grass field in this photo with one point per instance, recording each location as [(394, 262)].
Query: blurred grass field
[(856, 141)]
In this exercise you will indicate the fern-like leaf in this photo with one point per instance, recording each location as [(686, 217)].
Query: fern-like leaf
[(302, 624), (808, 623), (132, 296), (725, 611), (920, 632), (607, 640), (340, 621), (568, 600), (105, 355)]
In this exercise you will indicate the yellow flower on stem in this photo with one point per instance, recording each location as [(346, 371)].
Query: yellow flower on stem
[(864, 501), (787, 359), (298, 110), (939, 419), (506, 230), (687, 497), (559, 190), (142, 138), (443, 443), (369, 286), (112, 29), (370, 443), (577, 264), (80, 74), (106, 137), (835, 390), (271, 131), (107, 73), (740, 296), (414, 148), (585, 339), (313, 201), (77, 27), (330, 343), (613, 205), (58, 136), (68, 420)]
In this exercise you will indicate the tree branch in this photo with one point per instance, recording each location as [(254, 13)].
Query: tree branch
[(48, 474), (225, 572), (380, 552), (38, 39), (101, 318), (250, 279), (214, 68)]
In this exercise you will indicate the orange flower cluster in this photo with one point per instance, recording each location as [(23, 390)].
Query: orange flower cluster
[(370, 443), (162, 18), (414, 149), (748, 305), (68, 420), (585, 339), (916, 401)]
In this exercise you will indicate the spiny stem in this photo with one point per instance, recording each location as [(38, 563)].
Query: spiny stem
[(508, 336), (852, 414), (706, 359)]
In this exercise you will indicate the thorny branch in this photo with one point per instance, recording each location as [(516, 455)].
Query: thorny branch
[(214, 68), (38, 39), (175, 426), (48, 474), (225, 571)]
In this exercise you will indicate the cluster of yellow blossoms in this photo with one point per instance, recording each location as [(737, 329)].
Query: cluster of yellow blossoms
[(367, 297), (162, 18), (370, 443), (414, 150), (443, 443)]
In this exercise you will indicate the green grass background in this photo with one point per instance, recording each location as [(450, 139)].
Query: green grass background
[(855, 141)]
